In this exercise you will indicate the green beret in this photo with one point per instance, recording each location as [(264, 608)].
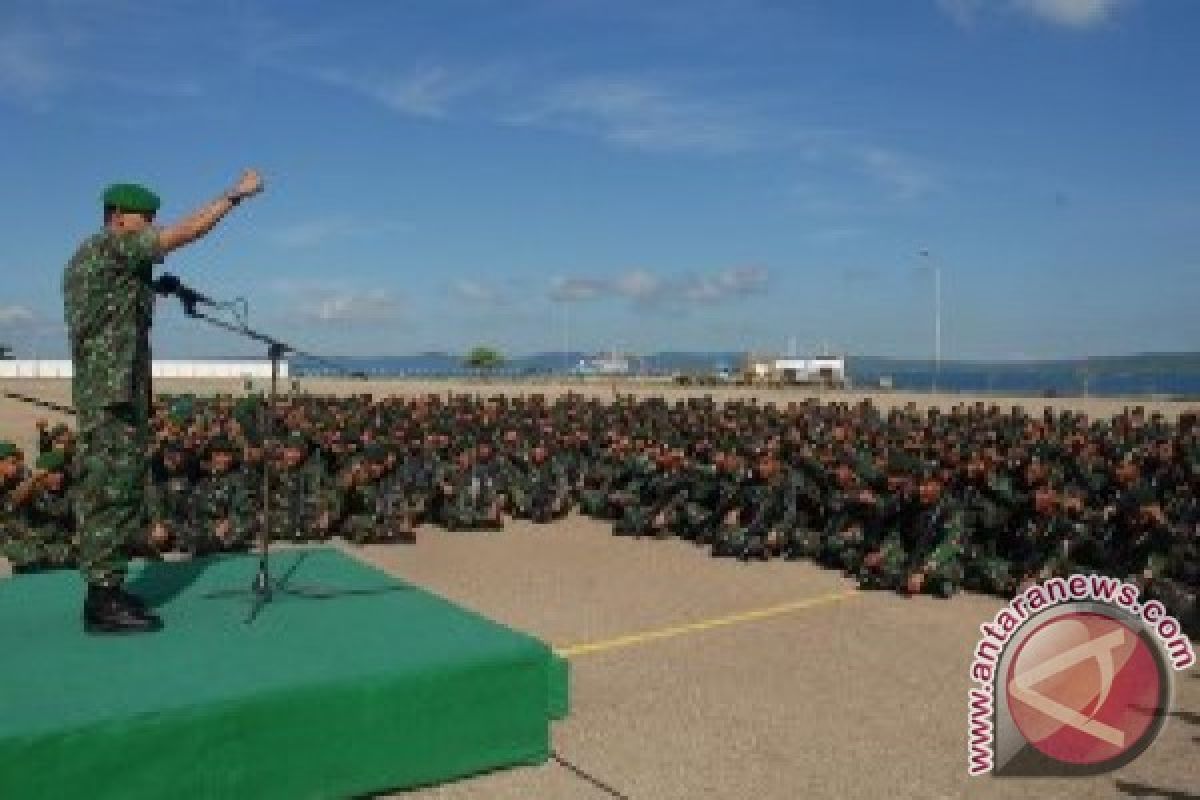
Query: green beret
[(51, 461), (903, 463), (861, 463), (8, 450), (246, 406), (1143, 494), (181, 410), (131, 197)]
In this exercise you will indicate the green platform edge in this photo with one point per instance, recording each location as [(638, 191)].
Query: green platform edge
[(202, 711)]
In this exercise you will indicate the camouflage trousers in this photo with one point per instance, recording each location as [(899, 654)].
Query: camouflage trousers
[(27, 548), (112, 482)]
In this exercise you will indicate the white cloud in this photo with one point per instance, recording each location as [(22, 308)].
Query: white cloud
[(729, 283), (964, 12), (574, 290), (836, 234), (475, 292), (643, 287), (28, 72), (45, 60), (427, 91), (1077, 14), (321, 302), (902, 175), (313, 232), (639, 286), (637, 113), (1072, 13), (12, 316), (367, 306)]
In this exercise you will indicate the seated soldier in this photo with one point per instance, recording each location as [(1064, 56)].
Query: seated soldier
[(42, 536), (224, 514), (470, 501)]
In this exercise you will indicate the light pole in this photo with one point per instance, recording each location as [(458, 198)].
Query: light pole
[(566, 339), (937, 317)]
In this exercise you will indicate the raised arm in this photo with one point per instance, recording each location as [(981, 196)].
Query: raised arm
[(204, 219)]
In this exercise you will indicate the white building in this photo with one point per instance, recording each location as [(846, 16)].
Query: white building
[(829, 370), (60, 368), (610, 364)]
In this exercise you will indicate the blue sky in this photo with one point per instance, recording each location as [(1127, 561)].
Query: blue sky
[(647, 176)]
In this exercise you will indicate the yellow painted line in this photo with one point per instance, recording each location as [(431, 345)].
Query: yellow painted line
[(571, 651)]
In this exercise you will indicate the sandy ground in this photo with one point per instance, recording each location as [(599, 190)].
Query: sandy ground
[(840, 694)]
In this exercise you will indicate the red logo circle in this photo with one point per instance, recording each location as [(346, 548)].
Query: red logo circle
[(1085, 688)]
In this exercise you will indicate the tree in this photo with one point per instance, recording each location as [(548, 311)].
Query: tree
[(484, 359), (5, 352)]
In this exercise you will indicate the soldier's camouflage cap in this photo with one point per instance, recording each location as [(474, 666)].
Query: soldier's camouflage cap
[(131, 197), (51, 461), (8, 449)]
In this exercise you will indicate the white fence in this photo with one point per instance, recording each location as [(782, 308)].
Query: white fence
[(57, 368)]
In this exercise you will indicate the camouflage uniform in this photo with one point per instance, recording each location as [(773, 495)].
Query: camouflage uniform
[(224, 512), (109, 305), (42, 527), (170, 500)]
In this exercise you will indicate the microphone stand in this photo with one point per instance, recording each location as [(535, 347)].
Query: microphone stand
[(262, 590)]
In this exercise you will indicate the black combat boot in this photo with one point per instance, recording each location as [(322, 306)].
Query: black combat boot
[(113, 610)]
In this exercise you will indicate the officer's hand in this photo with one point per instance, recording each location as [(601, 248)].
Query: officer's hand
[(1153, 514), (159, 535), (249, 184)]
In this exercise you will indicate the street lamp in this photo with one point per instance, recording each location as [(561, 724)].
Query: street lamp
[(937, 317), (566, 339)]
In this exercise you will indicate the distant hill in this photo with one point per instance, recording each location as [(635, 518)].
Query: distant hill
[(859, 367), (1099, 366)]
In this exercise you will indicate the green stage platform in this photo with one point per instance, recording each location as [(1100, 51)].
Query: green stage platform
[(328, 698)]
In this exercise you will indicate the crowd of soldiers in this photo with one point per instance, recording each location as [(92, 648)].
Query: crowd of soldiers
[(917, 501)]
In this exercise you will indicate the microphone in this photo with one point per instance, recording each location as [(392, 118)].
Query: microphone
[(167, 284)]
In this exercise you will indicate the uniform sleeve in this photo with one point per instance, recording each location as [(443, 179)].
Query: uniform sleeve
[(141, 247)]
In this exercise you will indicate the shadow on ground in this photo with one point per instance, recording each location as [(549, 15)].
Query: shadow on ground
[(160, 581), (1143, 790)]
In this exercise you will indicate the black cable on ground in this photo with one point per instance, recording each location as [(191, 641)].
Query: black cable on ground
[(594, 781), (39, 402)]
